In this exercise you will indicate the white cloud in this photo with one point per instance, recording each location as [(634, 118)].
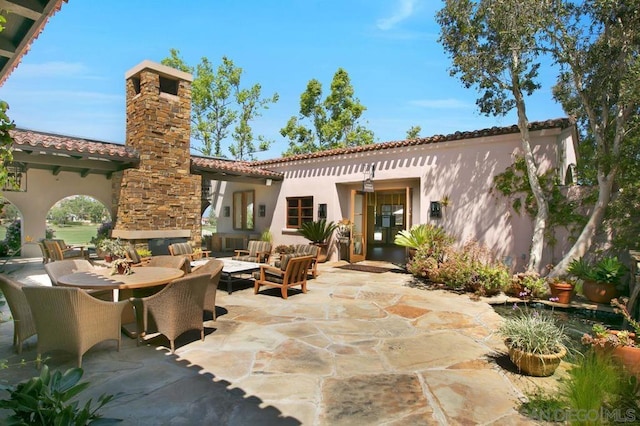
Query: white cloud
[(441, 103), (404, 9)]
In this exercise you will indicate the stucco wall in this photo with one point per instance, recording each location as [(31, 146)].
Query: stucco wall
[(463, 171), (46, 189)]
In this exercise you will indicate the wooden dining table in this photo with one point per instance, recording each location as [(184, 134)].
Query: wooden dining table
[(145, 277)]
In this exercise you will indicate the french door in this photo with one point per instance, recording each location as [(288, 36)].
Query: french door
[(358, 245)]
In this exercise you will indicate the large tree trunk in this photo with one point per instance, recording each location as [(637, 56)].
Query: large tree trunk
[(584, 241), (542, 213)]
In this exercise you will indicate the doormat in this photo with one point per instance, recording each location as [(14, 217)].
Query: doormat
[(364, 268)]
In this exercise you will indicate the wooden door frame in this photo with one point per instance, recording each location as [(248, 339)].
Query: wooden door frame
[(353, 258)]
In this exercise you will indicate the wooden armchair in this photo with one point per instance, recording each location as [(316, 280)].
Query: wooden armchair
[(175, 309), (257, 251), (309, 250), (23, 324), (292, 272), (58, 250), (69, 319), (185, 249)]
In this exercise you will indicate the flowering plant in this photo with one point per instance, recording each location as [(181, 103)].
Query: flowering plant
[(121, 266)]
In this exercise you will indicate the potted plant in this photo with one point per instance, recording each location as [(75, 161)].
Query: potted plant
[(620, 344), (561, 288), (318, 233), (121, 266), (600, 279), (536, 343), (112, 248)]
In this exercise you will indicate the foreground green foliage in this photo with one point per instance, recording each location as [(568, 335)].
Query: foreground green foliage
[(432, 236), (49, 400), (597, 391), (606, 270)]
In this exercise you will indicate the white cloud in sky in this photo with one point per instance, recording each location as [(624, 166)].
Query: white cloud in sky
[(450, 103), (404, 9)]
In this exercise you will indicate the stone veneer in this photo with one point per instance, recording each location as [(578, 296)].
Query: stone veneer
[(160, 198)]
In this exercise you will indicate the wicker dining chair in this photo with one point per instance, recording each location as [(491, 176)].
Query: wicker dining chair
[(168, 261), (213, 268), (65, 267), (69, 319), (23, 324), (175, 309)]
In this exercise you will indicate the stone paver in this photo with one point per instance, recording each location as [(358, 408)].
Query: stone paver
[(357, 349)]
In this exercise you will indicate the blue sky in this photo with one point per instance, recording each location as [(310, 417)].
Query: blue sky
[(72, 80)]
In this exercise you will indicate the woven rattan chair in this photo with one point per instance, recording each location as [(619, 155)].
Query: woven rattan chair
[(257, 251), (69, 319), (213, 268), (64, 267), (175, 309), (23, 324), (167, 261), (292, 272)]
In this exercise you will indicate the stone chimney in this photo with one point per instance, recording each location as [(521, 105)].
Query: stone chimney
[(161, 198)]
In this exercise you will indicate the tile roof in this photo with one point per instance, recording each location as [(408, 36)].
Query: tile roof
[(493, 131), (29, 140), (221, 165)]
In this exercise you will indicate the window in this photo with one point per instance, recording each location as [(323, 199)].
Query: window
[(299, 210), (243, 210)]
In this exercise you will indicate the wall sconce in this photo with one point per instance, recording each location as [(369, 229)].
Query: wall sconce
[(268, 182), (435, 210), (262, 210), (16, 177), (226, 211), (322, 211)]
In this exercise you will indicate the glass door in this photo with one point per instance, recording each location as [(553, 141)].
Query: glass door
[(358, 246)]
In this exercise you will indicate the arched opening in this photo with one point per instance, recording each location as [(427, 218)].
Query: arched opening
[(10, 229), (77, 218)]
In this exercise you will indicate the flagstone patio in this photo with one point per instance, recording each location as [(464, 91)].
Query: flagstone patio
[(358, 348)]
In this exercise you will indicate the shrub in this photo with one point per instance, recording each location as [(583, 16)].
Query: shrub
[(13, 239), (429, 237), (528, 284), (104, 231)]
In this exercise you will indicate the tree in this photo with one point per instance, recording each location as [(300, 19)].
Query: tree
[(494, 46), (334, 120), (6, 141), (218, 101), (597, 45), (414, 132)]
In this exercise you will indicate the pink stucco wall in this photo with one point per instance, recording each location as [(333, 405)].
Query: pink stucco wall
[(461, 170)]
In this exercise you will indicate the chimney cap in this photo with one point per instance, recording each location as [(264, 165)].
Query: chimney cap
[(163, 70)]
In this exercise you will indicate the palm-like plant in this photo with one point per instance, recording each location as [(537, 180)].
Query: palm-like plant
[(420, 235), (318, 232)]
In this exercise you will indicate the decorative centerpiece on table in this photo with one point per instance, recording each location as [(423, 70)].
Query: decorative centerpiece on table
[(536, 343), (121, 267)]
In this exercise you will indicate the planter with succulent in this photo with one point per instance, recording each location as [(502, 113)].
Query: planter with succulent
[(600, 279), (121, 266), (536, 343), (622, 345), (422, 235), (318, 233)]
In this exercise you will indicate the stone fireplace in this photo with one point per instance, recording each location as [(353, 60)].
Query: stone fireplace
[(161, 198)]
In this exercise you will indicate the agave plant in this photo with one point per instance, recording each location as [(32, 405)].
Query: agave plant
[(317, 232)]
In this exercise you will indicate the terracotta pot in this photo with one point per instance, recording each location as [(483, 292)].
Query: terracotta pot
[(563, 291), (535, 364), (629, 356), (108, 258), (599, 292), (322, 256), (122, 269)]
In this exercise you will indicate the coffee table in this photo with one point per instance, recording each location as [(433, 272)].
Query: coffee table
[(233, 268)]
